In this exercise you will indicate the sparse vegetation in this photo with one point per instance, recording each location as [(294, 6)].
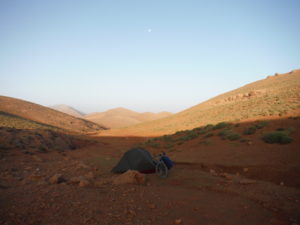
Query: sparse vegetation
[(229, 134), (279, 137), (209, 135), (152, 143), (250, 130), (261, 124), (221, 125), (13, 121)]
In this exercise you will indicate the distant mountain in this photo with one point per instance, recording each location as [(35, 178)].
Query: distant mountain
[(121, 117), (17, 112), (275, 96), (68, 110)]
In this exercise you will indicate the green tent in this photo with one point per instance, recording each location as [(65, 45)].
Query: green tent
[(136, 159)]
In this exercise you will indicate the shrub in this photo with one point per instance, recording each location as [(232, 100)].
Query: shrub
[(261, 124), (152, 143), (280, 137), (221, 125), (209, 127), (233, 136), (189, 136), (229, 134), (250, 130), (42, 148), (167, 138)]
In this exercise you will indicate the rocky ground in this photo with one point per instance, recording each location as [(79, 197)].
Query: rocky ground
[(76, 187)]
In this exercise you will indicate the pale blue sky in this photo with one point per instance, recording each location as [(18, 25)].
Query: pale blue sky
[(97, 55)]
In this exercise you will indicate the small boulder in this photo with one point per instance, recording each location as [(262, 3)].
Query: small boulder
[(227, 176), (90, 175), (56, 179), (100, 183), (75, 180), (247, 181), (130, 177), (37, 158), (84, 183), (178, 221)]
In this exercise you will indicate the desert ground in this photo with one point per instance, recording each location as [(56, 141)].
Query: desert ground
[(214, 181)]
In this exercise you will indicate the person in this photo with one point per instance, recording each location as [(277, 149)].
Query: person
[(168, 162)]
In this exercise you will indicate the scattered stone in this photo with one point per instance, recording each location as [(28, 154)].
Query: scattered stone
[(76, 180), (90, 175), (82, 165), (100, 183), (227, 176), (247, 181), (178, 221), (152, 206), (130, 177), (56, 179), (245, 170), (35, 177), (281, 183), (249, 143), (213, 172), (84, 183), (37, 158)]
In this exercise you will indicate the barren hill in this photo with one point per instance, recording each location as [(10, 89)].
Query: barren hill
[(121, 117), (275, 95), (68, 110), (44, 115)]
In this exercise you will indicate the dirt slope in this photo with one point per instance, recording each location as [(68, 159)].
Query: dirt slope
[(275, 95), (68, 110), (121, 117), (41, 114), (218, 181)]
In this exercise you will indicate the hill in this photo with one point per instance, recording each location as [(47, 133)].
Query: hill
[(68, 110), (121, 117), (276, 95), (43, 115)]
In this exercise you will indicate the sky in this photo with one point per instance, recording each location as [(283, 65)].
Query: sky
[(144, 55)]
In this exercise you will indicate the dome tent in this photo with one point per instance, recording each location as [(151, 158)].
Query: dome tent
[(135, 159)]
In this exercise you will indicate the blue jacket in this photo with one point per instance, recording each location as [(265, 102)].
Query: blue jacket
[(167, 161)]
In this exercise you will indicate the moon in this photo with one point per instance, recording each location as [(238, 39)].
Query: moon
[(149, 30)]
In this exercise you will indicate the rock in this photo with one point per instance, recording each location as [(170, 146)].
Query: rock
[(56, 179), (227, 176), (249, 142), (178, 221), (84, 183), (37, 158), (245, 169), (90, 175), (130, 177), (281, 183), (35, 177), (247, 181), (82, 165), (75, 180), (100, 183), (212, 172), (152, 206)]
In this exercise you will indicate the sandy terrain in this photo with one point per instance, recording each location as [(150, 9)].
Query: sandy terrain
[(221, 183)]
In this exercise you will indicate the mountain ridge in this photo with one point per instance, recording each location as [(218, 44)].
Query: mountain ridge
[(122, 117), (41, 114), (275, 95)]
